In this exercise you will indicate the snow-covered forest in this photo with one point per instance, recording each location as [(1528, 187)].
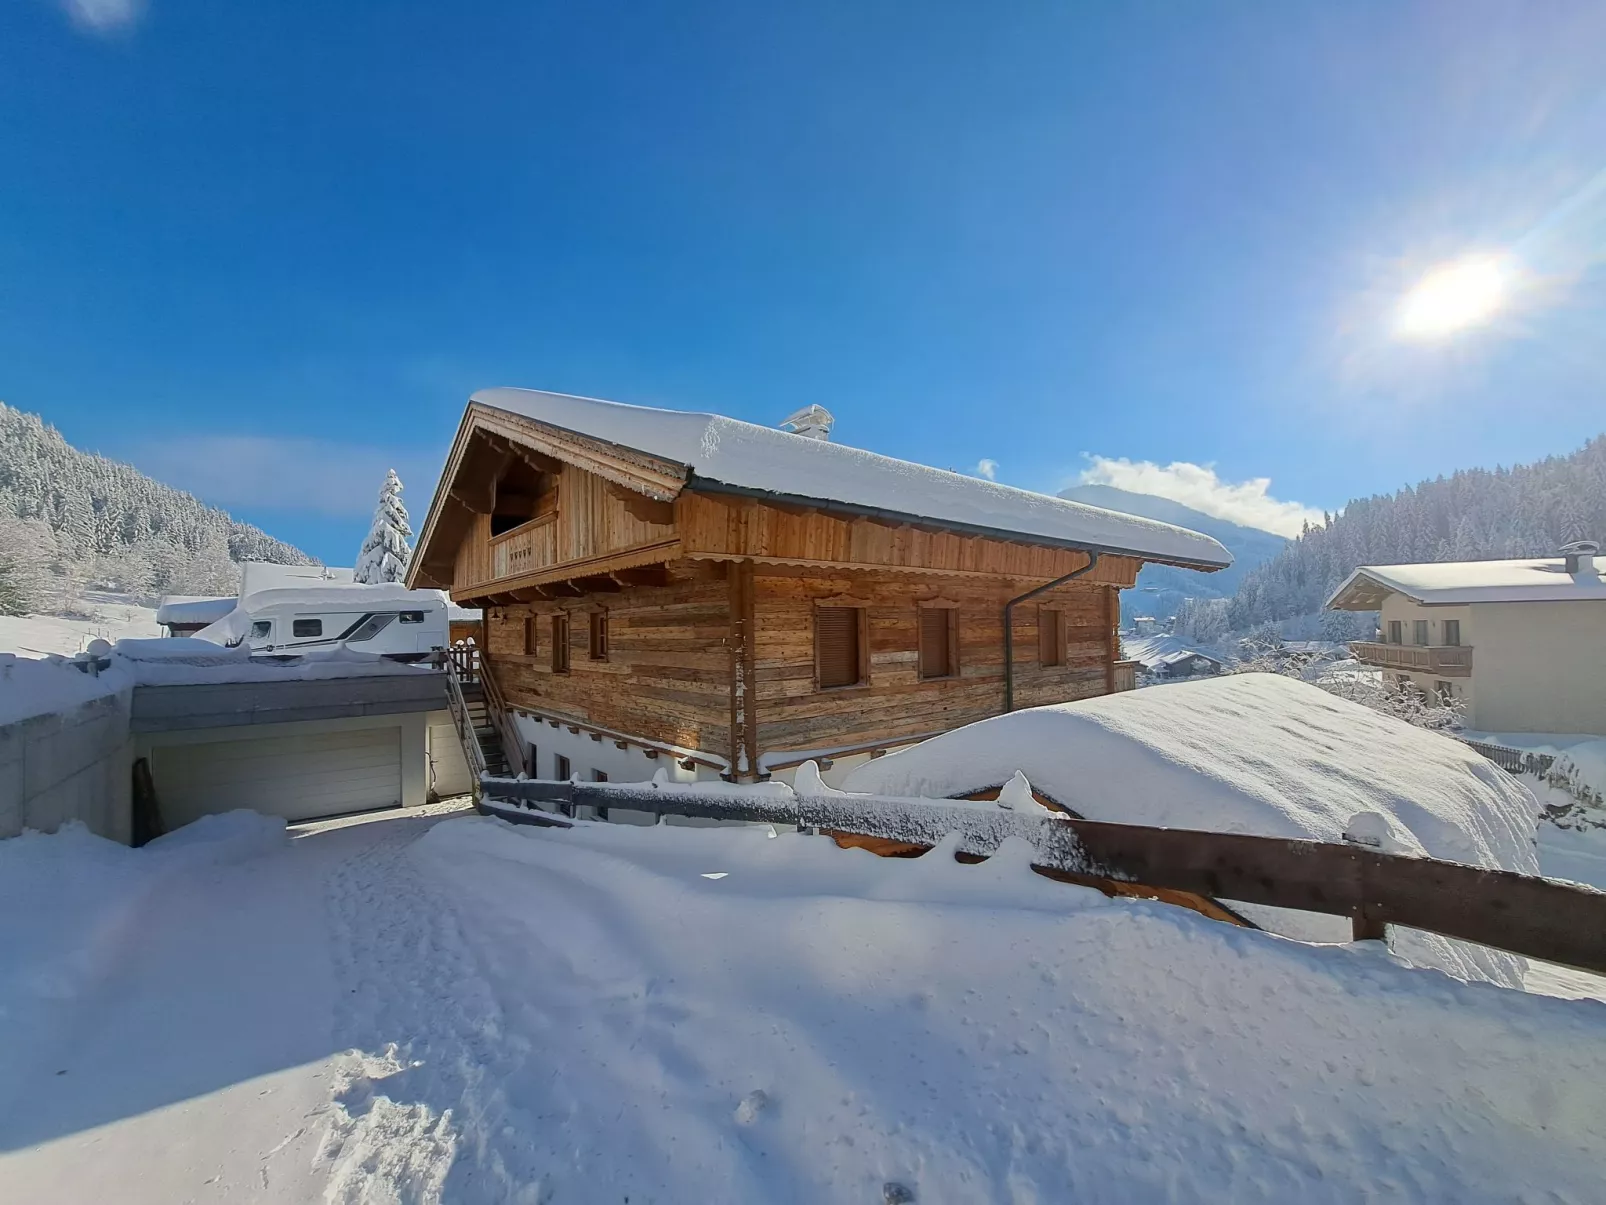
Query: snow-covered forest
[(1476, 514), (71, 520)]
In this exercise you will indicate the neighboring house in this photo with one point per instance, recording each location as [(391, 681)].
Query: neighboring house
[(1169, 657), (1145, 625), (686, 591), (464, 624), (1522, 644)]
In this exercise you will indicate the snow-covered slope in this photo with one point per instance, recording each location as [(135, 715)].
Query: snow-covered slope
[(110, 617), (489, 1014), (1247, 753)]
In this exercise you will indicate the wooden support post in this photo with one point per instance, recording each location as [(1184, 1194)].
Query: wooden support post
[(743, 725), (1367, 929)]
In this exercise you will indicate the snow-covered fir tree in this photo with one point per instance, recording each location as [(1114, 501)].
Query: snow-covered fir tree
[(387, 547), (1476, 514), (69, 519)]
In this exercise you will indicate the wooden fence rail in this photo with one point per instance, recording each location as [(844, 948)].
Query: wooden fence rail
[(1532, 916)]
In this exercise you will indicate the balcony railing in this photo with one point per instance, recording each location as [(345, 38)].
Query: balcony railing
[(524, 549), (1444, 660)]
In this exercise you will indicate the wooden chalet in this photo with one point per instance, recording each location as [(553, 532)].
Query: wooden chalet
[(687, 591)]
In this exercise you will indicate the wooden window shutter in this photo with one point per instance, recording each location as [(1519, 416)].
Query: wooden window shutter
[(599, 635), (837, 660), (560, 644), (936, 642), (1050, 637)]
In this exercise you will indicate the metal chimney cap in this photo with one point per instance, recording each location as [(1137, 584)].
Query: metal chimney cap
[(1581, 548)]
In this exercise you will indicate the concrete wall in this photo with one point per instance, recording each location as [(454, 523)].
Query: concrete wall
[(70, 765)]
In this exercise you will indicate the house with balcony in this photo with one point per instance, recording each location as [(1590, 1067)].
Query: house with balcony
[(691, 593), (1520, 643)]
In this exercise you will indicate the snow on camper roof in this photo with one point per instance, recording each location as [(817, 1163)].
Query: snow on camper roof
[(1545, 580), (765, 461)]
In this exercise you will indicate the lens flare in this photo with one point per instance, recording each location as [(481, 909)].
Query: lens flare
[(1454, 297)]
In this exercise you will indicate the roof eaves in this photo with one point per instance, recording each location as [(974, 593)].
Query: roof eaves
[(709, 485)]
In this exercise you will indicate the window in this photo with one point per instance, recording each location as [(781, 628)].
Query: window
[(1419, 631), (599, 776), (369, 627), (560, 644), (599, 635), (1443, 691), (937, 642), (412, 617), (1395, 628), (531, 761), (1452, 632), (261, 629), (1050, 637), (532, 634), (560, 768), (601, 812), (306, 627), (838, 659)]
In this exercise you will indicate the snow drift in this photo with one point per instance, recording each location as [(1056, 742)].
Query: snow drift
[(1249, 753)]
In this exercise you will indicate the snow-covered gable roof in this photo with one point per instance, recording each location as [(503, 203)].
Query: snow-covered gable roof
[(1153, 652), (1451, 582), (734, 456)]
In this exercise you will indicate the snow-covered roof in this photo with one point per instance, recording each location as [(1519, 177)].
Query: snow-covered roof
[(189, 609), (1448, 582), (265, 575), (1247, 753), (764, 461), (1153, 652)]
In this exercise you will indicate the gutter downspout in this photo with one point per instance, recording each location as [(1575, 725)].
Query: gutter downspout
[(1009, 624)]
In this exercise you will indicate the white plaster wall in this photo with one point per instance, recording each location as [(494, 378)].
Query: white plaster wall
[(70, 765), (1541, 667)]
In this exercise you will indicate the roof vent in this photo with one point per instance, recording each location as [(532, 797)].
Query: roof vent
[(1579, 556), (811, 422)]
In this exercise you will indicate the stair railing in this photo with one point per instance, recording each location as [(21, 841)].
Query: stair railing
[(466, 735)]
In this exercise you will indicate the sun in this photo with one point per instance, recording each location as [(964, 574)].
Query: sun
[(1453, 297)]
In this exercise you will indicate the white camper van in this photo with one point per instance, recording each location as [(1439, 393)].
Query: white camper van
[(402, 624)]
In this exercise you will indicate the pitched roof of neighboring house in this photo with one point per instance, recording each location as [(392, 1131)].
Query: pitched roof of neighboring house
[(1156, 652), (1448, 582), (720, 454)]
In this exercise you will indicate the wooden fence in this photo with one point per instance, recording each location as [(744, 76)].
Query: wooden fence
[(1532, 916), (1514, 761)]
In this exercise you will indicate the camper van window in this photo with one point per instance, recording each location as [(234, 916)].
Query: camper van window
[(261, 629), (307, 627), (412, 617)]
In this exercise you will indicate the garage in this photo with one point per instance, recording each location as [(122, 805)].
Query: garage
[(296, 775)]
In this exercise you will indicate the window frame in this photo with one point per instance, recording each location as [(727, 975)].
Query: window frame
[(861, 638), (1394, 632), (296, 625), (560, 642), (1059, 626), (532, 635), (951, 654), (1421, 635), (1452, 627), (263, 635), (597, 635), (562, 768)]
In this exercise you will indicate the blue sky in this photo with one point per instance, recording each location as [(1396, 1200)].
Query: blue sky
[(265, 249)]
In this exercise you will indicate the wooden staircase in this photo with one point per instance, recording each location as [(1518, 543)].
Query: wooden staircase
[(485, 731)]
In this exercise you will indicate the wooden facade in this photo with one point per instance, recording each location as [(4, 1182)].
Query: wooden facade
[(689, 619)]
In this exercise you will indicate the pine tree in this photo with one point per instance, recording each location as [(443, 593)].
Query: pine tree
[(386, 550)]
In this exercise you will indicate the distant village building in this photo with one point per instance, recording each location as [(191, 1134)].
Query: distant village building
[(1522, 644), (1169, 657), (1145, 625), (688, 592)]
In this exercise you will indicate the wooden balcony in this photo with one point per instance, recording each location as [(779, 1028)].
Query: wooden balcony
[(1126, 675), (524, 549), (1441, 660)]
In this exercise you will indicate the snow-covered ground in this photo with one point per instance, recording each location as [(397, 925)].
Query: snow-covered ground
[(470, 1012), (111, 617)]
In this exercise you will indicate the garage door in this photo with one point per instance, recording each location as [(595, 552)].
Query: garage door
[(297, 777)]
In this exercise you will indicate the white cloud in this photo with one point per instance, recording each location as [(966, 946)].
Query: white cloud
[(104, 16), (308, 475), (986, 467), (1245, 502)]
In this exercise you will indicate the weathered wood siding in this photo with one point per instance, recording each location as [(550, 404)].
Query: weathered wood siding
[(594, 519), (792, 714), (668, 672), (718, 525)]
